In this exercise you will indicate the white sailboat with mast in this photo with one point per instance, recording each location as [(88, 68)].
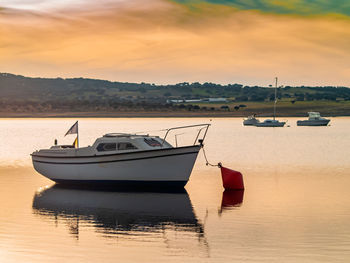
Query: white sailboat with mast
[(273, 122)]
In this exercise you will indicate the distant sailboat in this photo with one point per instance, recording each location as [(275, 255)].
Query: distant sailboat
[(273, 122)]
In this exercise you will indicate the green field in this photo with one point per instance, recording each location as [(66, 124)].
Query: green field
[(284, 108)]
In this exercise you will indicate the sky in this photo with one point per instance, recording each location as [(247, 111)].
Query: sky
[(302, 42)]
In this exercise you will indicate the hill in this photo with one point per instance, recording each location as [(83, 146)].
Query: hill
[(19, 94)]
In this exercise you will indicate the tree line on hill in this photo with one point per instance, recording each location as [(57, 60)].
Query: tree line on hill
[(19, 93)]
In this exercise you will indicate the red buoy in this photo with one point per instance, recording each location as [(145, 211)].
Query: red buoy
[(231, 180)]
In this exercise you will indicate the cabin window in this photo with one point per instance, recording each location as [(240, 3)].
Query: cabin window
[(152, 142), (105, 147), (126, 146)]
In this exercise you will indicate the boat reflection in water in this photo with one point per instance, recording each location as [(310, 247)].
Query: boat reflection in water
[(117, 213), (232, 199)]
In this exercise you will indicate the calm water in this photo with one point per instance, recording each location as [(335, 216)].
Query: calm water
[(296, 205)]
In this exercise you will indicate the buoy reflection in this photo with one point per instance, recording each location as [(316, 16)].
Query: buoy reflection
[(231, 199)]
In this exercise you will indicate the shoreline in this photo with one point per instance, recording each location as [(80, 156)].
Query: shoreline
[(206, 110), (10, 115)]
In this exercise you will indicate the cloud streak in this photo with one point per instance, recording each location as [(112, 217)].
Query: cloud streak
[(301, 7)]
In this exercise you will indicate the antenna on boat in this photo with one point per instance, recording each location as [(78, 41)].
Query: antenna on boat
[(274, 106)]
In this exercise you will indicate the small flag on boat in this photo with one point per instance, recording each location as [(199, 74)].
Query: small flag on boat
[(75, 143), (73, 129)]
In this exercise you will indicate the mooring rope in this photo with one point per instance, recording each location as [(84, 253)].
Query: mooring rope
[(208, 163)]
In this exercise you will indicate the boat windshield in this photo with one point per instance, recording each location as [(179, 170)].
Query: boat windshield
[(314, 115)]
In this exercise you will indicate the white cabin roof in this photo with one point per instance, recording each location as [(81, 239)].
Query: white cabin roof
[(314, 114), (124, 135)]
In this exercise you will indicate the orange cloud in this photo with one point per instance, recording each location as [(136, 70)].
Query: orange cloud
[(163, 42)]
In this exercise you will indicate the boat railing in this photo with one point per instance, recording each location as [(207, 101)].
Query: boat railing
[(200, 135)]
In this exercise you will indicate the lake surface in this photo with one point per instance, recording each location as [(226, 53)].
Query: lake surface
[(296, 206)]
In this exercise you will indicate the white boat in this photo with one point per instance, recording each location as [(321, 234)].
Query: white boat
[(122, 160), (273, 122), (250, 120), (315, 119)]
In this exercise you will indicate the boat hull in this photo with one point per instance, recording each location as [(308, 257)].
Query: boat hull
[(250, 122), (123, 184), (166, 167), (313, 123), (276, 124)]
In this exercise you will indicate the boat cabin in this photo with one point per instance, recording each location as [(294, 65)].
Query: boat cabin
[(120, 143), (270, 121), (110, 143), (314, 115)]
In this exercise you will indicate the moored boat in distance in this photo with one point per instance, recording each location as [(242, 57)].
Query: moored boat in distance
[(273, 122), (314, 119), (122, 160), (251, 120)]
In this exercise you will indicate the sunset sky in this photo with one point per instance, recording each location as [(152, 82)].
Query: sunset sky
[(303, 42)]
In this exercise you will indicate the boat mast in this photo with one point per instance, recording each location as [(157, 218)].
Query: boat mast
[(274, 106), (77, 135), (78, 139)]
